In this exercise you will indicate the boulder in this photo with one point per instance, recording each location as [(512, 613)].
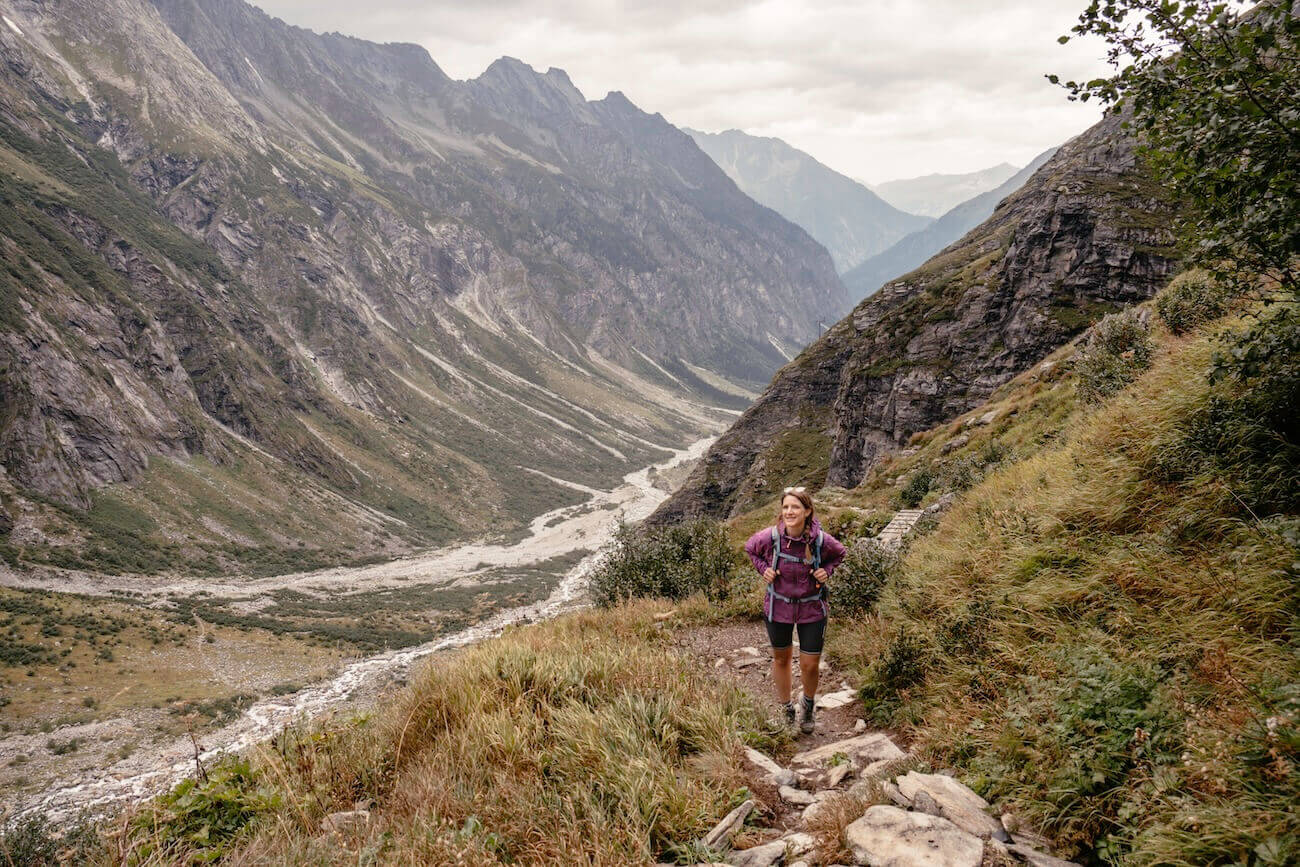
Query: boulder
[(956, 802), (889, 837), (870, 747)]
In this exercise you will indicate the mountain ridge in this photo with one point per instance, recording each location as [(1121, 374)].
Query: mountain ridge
[(846, 217), (912, 250)]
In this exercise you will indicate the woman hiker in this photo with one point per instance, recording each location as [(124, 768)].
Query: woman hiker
[(796, 559)]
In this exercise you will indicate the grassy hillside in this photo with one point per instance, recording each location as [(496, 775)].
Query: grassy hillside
[(1101, 631), (1096, 631)]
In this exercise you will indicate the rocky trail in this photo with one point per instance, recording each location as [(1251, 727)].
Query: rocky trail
[(845, 775)]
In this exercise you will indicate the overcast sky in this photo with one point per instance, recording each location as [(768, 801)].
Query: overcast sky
[(876, 89)]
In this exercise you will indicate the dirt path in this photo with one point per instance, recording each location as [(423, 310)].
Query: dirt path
[(738, 653)]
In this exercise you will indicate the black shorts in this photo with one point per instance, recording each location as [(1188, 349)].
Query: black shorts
[(811, 635)]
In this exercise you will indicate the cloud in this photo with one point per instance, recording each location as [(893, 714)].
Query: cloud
[(878, 89)]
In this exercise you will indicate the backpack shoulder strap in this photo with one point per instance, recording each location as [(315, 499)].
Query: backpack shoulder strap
[(776, 546), (817, 551)]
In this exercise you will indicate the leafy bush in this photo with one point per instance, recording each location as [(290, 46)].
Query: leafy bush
[(204, 818), (1247, 436), (902, 666), (916, 488), (863, 574), (1117, 350), (672, 562), (1190, 299), (1104, 731)]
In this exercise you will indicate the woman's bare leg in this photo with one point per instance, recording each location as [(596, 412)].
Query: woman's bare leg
[(809, 672), (781, 673)]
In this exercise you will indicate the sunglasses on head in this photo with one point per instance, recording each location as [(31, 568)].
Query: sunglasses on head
[(799, 490)]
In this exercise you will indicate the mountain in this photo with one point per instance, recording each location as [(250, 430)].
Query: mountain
[(913, 250), (271, 291), (1087, 234), (936, 194), (848, 219)]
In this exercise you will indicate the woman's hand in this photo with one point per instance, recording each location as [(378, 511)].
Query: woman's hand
[(821, 575), (769, 574)]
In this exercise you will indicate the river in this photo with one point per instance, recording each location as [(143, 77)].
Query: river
[(562, 531)]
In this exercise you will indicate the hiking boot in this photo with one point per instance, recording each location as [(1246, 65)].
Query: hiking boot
[(809, 707), (788, 709)]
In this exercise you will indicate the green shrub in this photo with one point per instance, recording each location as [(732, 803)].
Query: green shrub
[(199, 821), (1247, 436), (1190, 299), (860, 578), (1118, 348), (1105, 734), (903, 665), (916, 488), (672, 562)]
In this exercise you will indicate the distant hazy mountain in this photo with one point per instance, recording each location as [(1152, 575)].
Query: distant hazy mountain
[(932, 195), (914, 249), (849, 220)]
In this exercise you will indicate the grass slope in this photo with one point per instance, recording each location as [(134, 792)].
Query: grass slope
[(1101, 632)]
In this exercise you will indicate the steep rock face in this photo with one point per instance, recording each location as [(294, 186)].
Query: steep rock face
[(620, 224), (851, 221), (1086, 235), (913, 250)]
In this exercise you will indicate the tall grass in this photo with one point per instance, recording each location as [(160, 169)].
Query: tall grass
[(583, 740), (1104, 645)]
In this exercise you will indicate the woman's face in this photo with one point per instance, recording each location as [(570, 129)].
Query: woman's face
[(793, 513)]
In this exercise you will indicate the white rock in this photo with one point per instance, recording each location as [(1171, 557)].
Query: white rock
[(889, 837), (791, 795), (799, 843), (832, 700), (870, 747), (762, 761), (859, 725), (749, 651), (878, 768), (990, 416), (956, 802), (837, 775), (759, 856), (722, 831), (748, 661)]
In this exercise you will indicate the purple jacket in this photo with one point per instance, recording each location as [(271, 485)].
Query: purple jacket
[(794, 579)]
